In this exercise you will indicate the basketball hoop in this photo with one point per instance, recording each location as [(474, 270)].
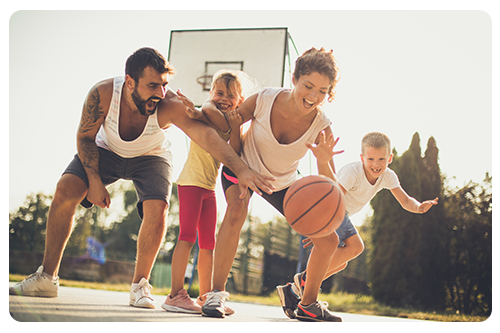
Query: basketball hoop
[(205, 81)]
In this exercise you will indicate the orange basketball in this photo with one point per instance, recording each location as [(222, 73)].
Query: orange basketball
[(314, 206)]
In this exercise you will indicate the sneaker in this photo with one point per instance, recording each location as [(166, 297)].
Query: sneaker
[(140, 295), (288, 300), (317, 311), (227, 309), (299, 283), (215, 304), (181, 303), (38, 284)]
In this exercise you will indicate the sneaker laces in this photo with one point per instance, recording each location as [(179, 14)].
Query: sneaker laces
[(28, 279), (144, 289), (323, 306), (216, 296)]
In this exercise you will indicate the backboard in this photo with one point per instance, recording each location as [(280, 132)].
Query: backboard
[(197, 54)]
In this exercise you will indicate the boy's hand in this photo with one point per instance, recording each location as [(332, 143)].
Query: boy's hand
[(307, 242), (323, 151), (426, 205)]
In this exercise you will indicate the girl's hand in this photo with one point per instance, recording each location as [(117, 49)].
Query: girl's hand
[(234, 119), (323, 151)]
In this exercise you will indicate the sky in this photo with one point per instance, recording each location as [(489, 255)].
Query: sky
[(402, 72)]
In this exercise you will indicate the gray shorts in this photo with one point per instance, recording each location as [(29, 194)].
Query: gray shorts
[(346, 230), (152, 175)]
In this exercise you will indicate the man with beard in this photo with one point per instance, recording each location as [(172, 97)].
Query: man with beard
[(121, 136)]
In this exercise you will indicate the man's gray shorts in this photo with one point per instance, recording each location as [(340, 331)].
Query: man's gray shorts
[(152, 175)]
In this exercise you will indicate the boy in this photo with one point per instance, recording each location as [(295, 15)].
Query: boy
[(360, 181)]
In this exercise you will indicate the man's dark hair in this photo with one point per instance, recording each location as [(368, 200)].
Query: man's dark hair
[(143, 58)]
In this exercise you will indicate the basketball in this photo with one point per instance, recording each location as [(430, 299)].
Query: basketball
[(314, 206)]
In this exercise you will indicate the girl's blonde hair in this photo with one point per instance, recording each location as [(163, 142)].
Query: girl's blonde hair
[(236, 82)]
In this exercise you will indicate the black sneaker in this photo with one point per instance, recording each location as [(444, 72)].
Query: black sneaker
[(288, 300), (215, 304), (300, 282), (317, 311)]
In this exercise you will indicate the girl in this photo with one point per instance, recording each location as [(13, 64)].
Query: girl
[(196, 184), (285, 124)]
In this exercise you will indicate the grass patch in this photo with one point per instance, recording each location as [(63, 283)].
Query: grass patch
[(338, 302)]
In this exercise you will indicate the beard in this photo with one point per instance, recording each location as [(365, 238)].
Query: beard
[(141, 103)]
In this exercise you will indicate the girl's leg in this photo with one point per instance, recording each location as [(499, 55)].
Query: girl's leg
[(189, 214), (205, 270), (180, 259), (206, 241)]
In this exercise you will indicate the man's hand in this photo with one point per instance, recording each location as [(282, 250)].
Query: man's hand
[(256, 182), (98, 195), (191, 111)]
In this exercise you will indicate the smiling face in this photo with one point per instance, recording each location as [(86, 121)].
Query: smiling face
[(310, 91), (224, 97), (149, 90), (375, 162)]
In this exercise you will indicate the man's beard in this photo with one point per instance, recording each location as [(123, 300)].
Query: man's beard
[(141, 104)]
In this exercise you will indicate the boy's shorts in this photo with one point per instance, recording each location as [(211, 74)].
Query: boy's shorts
[(346, 229), (151, 175)]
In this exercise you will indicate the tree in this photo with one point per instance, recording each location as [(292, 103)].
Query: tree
[(469, 272), (27, 224)]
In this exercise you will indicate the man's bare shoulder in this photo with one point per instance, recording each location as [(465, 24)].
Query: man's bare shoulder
[(169, 109)]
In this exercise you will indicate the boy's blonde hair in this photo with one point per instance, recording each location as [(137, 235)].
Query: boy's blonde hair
[(375, 140), (237, 82)]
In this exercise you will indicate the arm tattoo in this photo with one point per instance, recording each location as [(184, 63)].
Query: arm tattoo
[(89, 155), (92, 111)]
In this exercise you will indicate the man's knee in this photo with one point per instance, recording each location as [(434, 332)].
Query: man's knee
[(70, 189), (155, 210)]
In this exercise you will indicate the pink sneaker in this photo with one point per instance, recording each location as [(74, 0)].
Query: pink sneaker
[(181, 303)]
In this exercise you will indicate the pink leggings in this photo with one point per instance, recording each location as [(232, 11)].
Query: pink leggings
[(197, 214)]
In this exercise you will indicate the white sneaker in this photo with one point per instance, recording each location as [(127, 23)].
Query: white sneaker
[(38, 284), (140, 295)]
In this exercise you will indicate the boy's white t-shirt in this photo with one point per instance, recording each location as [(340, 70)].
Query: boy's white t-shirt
[(359, 190)]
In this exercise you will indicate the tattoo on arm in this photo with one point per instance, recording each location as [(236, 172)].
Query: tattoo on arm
[(92, 111), (89, 155)]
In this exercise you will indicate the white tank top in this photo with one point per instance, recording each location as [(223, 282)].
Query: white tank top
[(152, 140), (264, 154)]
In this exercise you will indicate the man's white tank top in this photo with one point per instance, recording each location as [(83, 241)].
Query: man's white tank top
[(152, 141), (264, 154)]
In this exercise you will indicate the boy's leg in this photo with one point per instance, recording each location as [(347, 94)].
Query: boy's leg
[(353, 248)]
